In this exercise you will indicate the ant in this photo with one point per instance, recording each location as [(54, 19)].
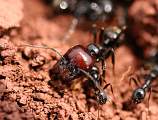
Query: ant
[(139, 93), (80, 60), (92, 10)]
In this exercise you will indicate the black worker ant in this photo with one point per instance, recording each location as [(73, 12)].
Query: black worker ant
[(91, 10), (79, 60), (139, 93)]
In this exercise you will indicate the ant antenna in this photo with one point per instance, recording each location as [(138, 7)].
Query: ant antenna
[(45, 47), (113, 61), (71, 29)]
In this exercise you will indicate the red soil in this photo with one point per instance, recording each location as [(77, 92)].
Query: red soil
[(25, 92)]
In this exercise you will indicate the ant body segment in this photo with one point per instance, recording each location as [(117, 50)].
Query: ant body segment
[(80, 60), (140, 93)]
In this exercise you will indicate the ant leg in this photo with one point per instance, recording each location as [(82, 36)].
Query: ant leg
[(113, 60), (114, 104), (150, 90), (94, 32), (134, 80), (148, 111), (103, 71), (155, 85), (71, 29), (155, 91), (91, 78), (107, 85), (98, 111), (138, 79), (101, 34)]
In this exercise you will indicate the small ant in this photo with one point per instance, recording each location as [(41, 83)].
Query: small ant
[(140, 93), (92, 10), (79, 60)]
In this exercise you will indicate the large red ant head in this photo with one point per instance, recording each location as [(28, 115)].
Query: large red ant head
[(101, 97), (138, 95)]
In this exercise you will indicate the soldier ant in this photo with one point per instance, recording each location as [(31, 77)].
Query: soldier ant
[(79, 60)]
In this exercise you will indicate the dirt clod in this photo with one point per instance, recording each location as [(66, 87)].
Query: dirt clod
[(11, 14)]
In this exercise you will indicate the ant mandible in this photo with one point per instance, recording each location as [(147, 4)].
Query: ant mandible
[(80, 60)]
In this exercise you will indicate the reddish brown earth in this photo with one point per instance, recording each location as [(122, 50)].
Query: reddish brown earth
[(25, 92), (144, 19)]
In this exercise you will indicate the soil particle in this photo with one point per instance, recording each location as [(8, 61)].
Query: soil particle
[(11, 14), (21, 99), (37, 62), (7, 49), (9, 111)]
